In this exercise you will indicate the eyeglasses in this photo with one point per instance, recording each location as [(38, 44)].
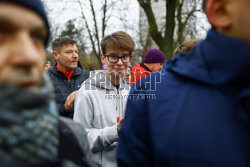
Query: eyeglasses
[(113, 58)]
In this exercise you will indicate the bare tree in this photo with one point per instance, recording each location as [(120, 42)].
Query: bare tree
[(165, 42), (98, 31), (185, 14), (178, 14)]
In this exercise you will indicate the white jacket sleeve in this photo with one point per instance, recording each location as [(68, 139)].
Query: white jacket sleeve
[(99, 139)]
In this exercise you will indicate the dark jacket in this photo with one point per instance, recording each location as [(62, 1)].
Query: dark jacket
[(63, 87), (201, 114), (73, 143)]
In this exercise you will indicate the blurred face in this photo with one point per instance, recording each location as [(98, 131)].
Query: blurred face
[(116, 69), (67, 58), (156, 67), (46, 67), (240, 14), (230, 17), (22, 53)]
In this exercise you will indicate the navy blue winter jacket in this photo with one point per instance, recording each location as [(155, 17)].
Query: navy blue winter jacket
[(63, 87), (200, 114)]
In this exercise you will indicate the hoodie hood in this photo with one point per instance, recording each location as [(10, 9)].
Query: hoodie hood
[(219, 61), (98, 79)]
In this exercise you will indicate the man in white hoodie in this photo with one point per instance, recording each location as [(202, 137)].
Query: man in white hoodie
[(101, 101)]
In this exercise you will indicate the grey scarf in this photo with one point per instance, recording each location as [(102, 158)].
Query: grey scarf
[(28, 124)]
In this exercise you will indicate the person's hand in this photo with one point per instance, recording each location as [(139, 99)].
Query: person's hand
[(70, 101), (119, 121)]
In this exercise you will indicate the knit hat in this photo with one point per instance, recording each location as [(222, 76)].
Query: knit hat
[(36, 6), (154, 56)]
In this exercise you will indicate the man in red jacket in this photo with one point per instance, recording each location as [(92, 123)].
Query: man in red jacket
[(153, 62)]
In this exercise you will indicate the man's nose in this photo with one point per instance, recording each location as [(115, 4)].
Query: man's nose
[(24, 50), (75, 55)]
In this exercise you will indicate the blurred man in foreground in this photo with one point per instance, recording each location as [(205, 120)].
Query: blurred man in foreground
[(24, 91), (201, 113), (29, 134)]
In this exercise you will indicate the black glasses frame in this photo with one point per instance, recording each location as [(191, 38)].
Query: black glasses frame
[(121, 57)]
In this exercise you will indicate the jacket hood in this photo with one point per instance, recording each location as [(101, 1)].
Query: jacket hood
[(219, 60), (98, 78), (79, 65)]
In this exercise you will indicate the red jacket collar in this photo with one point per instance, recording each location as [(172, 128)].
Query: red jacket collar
[(67, 74)]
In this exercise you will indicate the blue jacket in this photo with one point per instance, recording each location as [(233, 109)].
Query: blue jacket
[(199, 115), (63, 87)]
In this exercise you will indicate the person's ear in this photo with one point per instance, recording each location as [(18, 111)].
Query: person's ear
[(219, 13), (55, 55), (102, 59)]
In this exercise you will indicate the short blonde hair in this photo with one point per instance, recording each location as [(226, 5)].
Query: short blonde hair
[(118, 40)]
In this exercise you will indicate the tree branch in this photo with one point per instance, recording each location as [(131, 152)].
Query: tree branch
[(89, 32), (104, 18), (153, 28), (95, 25)]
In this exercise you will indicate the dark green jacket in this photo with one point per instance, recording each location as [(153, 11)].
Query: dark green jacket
[(63, 87)]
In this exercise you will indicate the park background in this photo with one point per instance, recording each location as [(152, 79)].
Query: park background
[(162, 24)]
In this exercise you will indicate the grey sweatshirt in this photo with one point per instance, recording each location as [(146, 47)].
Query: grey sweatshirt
[(97, 105)]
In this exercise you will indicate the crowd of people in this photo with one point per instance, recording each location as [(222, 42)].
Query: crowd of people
[(193, 110)]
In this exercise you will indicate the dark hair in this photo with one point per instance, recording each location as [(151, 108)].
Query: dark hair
[(204, 5), (59, 42), (118, 40)]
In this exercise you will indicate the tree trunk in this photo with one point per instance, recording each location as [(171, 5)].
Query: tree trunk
[(170, 26), (164, 43)]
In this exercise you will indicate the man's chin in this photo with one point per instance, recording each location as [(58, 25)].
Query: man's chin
[(73, 65), (30, 86), (30, 80), (23, 84)]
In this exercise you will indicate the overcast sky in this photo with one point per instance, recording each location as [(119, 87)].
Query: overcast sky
[(61, 11)]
